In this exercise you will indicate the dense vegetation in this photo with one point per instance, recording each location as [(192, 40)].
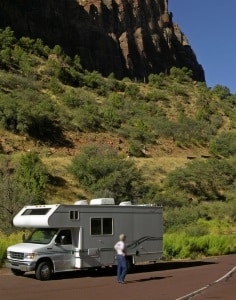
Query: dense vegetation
[(67, 133)]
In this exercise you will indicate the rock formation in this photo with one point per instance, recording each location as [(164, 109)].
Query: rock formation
[(126, 37)]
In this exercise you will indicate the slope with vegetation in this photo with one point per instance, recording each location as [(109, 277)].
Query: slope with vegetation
[(69, 134)]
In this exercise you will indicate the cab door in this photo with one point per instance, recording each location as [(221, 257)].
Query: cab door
[(64, 248)]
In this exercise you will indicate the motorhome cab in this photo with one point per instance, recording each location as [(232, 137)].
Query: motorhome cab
[(81, 236)]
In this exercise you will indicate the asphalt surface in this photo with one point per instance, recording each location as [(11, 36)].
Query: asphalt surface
[(211, 278)]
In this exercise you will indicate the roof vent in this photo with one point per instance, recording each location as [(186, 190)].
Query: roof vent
[(102, 201), (81, 202), (125, 203)]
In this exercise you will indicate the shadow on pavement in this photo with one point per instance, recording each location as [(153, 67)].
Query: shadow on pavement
[(111, 271)]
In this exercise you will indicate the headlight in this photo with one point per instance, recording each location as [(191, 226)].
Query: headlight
[(29, 255)]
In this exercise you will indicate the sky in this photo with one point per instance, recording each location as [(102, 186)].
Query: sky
[(209, 26)]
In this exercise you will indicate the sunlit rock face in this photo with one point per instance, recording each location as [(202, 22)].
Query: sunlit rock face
[(130, 38)]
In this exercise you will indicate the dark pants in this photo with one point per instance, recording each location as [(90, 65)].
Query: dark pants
[(121, 268)]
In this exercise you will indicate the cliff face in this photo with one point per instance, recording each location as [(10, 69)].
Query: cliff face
[(127, 37)]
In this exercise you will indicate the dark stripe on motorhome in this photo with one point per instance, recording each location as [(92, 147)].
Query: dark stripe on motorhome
[(142, 240)]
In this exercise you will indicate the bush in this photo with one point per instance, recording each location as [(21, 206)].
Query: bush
[(100, 169), (203, 180), (181, 75), (182, 246), (31, 174), (221, 91), (156, 80), (179, 218), (6, 241), (93, 80), (224, 144), (111, 118), (86, 118)]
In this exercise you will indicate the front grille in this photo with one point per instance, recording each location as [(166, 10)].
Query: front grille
[(16, 255)]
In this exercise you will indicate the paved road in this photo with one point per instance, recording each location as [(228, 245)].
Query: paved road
[(212, 278)]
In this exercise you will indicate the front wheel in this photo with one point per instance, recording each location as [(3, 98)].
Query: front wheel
[(17, 272), (44, 271)]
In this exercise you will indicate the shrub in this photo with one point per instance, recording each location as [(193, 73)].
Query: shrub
[(31, 174), (181, 75), (101, 169), (224, 144), (111, 118), (6, 241), (132, 90), (182, 246), (203, 180), (93, 80), (86, 118), (221, 91), (156, 80)]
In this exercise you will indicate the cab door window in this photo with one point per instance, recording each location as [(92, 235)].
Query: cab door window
[(64, 237)]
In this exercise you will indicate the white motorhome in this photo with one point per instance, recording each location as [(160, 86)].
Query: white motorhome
[(82, 236)]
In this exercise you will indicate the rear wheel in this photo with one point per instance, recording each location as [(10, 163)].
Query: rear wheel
[(130, 264), (17, 272), (44, 271)]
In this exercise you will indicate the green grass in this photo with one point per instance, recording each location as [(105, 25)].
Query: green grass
[(6, 241), (182, 246)]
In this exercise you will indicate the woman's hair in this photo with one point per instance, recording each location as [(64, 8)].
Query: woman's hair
[(122, 237)]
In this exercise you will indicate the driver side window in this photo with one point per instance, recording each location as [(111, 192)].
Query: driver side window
[(64, 237)]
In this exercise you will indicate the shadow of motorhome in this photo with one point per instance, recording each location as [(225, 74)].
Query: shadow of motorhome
[(142, 268)]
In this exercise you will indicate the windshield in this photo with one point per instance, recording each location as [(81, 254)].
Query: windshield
[(41, 236)]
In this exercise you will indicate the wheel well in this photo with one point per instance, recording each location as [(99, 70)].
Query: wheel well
[(45, 259)]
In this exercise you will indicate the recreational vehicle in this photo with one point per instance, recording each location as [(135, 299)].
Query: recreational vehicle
[(82, 236)]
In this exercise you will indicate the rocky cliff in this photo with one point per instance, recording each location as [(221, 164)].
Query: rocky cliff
[(127, 37)]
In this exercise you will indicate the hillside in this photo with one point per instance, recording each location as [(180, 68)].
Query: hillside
[(165, 157), (52, 106), (170, 140)]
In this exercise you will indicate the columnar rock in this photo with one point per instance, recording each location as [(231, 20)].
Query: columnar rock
[(126, 37)]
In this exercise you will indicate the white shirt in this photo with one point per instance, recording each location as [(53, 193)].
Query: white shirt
[(120, 248)]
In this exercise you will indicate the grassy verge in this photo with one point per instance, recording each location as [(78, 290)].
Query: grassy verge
[(181, 245), (6, 241)]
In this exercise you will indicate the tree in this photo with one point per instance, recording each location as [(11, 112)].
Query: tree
[(11, 201), (21, 183), (181, 75), (221, 91), (7, 38), (31, 176), (203, 180), (102, 171)]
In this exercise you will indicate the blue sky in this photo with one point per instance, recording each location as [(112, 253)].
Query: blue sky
[(209, 26)]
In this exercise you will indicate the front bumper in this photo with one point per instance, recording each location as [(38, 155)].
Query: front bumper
[(22, 266)]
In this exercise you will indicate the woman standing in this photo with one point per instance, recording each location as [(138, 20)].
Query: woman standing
[(120, 248)]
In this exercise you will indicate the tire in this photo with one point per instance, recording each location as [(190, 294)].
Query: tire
[(17, 272), (44, 271), (130, 265)]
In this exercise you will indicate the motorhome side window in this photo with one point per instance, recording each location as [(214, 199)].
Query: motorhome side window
[(101, 226), (74, 215)]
